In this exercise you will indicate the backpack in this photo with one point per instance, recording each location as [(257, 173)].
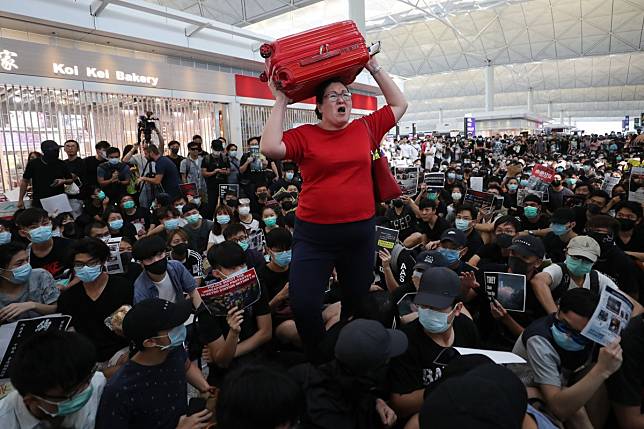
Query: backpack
[(562, 287)]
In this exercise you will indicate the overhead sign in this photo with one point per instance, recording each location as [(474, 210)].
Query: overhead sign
[(469, 126)]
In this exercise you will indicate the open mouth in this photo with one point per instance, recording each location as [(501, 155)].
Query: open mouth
[(342, 109)]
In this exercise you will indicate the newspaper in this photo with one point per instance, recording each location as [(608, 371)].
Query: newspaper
[(478, 199), (540, 180), (610, 317)]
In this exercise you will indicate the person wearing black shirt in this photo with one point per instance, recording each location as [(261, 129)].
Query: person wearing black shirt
[(93, 300), (439, 327), (466, 216), (92, 163), (401, 217), (430, 227), (174, 156), (48, 175), (137, 216), (533, 217), (117, 226), (288, 178), (562, 231), (496, 252), (630, 237), (215, 169), (76, 167)]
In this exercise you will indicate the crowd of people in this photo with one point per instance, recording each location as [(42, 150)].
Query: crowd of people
[(342, 335)]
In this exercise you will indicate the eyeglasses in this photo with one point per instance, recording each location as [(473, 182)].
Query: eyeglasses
[(333, 96), (573, 333)]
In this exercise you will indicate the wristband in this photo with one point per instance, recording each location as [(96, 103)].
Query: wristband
[(376, 71)]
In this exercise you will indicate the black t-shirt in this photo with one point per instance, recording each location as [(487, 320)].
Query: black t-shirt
[(127, 230), (625, 387), (474, 243), (273, 282), (140, 216), (212, 163), (555, 247), (171, 178), (88, 316), (91, 170), (433, 234), (43, 173), (77, 167), (177, 161), (142, 397), (405, 223), (56, 260), (491, 253), (636, 243), (416, 368), (620, 267), (543, 222)]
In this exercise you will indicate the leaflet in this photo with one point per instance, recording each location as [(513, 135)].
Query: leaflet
[(610, 317), (242, 291)]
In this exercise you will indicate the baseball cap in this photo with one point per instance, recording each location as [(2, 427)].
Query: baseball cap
[(532, 197), (366, 344), (152, 315), (563, 215), (585, 246), (488, 396), (49, 145), (455, 236), (438, 287), (430, 259), (528, 245)]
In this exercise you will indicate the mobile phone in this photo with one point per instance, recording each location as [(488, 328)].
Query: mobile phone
[(374, 48), (196, 405)]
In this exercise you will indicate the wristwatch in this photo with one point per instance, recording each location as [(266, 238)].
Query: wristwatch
[(531, 233)]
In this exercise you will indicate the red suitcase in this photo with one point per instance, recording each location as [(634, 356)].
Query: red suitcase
[(299, 63)]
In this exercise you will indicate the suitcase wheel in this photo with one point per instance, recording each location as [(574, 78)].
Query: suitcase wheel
[(263, 77), (266, 50)]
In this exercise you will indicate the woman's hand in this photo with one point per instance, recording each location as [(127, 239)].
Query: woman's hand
[(372, 64), (279, 95)]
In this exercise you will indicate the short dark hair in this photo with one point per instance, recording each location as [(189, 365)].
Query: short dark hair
[(196, 136), (630, 205), (319, 94), (90, 245), (231, 145), (173, 142), (226, 255), (279, 238), (50, 360), (259, 139), (582, 185), (512, 220), (258, 397), (112, 150), (8, 251), (102, 145), (425, 203), (162, 212), (188, 207), (31, 216), (147, 247), (599, 193), (152, 148), (469, 208), (580, 301), (96, 224), (234, 229), (72, 141)]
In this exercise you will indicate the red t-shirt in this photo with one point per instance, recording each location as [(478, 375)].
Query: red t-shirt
[(336, 168)]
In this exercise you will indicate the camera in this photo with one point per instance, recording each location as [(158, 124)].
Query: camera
[(146, 125)]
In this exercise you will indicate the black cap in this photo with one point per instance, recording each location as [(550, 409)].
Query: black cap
[(528, 245), (150, 316), (49, 145), (563, 215), (438, 287), (430, 259), (217, 145), (366, 344), (532, 197), (489, 396), (455, 236)]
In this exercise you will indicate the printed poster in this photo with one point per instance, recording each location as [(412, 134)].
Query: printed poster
[(540, 180), (189, 189), (610, 317), (224, 188), (479, 199), (256, 164), (476, 183), (636, 185), (435, 181), (386, 238), (407, 178), (242, 291), (508, 289), (114, 265)]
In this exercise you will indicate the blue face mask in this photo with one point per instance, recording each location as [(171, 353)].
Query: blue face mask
[(432, 196), (513, 187), (530, 212), (116, 224), (270, 221), (462, 224), (578, 267), (433, 321), (452, 256), (113, 161), (176, 335), (282, 258), (524, 182), (128, 205), (558, 229), (193, 218), (5, 237), (70, 406), (451, 176), (289, 176), (40, 234), (565, 341), (243, 244), (101, 195), (171, 224), (88, 274), (196, 201), (223, 219), (20, 274)]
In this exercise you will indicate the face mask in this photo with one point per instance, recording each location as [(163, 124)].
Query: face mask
[(462, 224), (282, 258), (518, 265), (432, 196), (20, 274), (530, 212), (289, 176), (102, 154), (593, 208), (270, 221), (577, 267), (179, 208), (193, 218), (113, 161), (128, 205), (451, 255), (624, 224), (223, 219), (56, 233), (512, 187), (232, 203), (459, 176), (504, 240), (40, 234), (70, 406), (116, 224), (180, 249), (398, 204), (233, 153), (177, 336), (572, 180), (171, 224), (262, 195), (433, 321), (524, 182), (456, 196), (564, 341), (556, 183), (604, 240), (126, 257), (243, 244), (244, 210), (88, 274), (451, 176), (101, 195), (51, 154), (159, 267), (196, 201), (5, 237), (558, 229), (174, 150)]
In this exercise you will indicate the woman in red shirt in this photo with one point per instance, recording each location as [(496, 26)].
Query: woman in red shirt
[(334, 224)]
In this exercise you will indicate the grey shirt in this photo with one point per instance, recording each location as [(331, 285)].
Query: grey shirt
[(544, 364), (192, 169), (198, 238), (40, 288)]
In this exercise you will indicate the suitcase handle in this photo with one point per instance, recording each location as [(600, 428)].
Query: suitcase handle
[(323, 55)]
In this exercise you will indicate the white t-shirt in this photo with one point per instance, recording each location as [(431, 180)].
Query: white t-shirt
[(215, 239), (166, 290), (556, 275)]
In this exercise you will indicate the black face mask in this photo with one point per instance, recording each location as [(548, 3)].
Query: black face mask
[(518, 265), (288, 205), (174, 150), (398, 203), (159, 267), (556, 183), (232, 203), (180, 250), (593, 209), (504, 240), (605, 240), (626, 224), (51, 154), (126, 257), (69, 230)]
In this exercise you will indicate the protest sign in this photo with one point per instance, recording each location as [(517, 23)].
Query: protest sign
[(479, 199), (114, 265), (435, 181), (636, 185), (407, 178), (56, 205), (571, 201), (609, 183), (508, 289), (189, 189), (223, 189), (476, 183), (242, 291), (610, 317), (540, 180), (9, 208), (386, 238), (522, 193), (14, 334), (256, 163), (256, 240)]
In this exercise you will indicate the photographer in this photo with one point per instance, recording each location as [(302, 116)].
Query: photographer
[(166, 174)]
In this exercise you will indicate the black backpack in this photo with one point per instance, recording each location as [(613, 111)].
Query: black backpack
[(562, 287)]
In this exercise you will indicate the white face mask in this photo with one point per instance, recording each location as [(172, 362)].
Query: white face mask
[(243, 210)]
